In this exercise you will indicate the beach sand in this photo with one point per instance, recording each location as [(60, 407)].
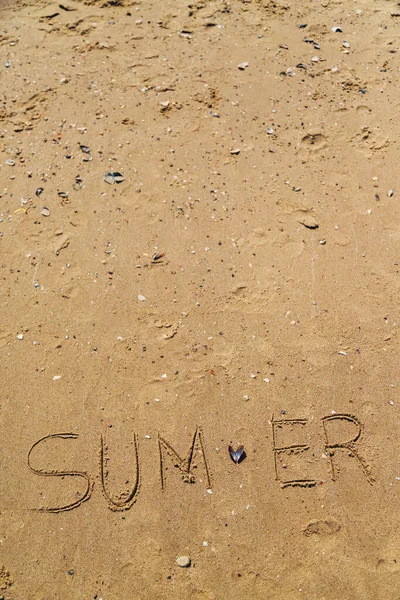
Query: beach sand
[(239, 287)]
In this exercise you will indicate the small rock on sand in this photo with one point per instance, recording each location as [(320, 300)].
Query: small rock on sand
[(183, 561)]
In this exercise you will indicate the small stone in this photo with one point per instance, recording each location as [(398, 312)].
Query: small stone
[(64, 80), (141, 298), (242, 66), (56, 377), (183, 561), (315, 59), (20, 336)]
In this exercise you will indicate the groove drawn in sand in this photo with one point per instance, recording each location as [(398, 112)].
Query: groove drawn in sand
[(56, 473), (348, 445), (125, 500), (292, 449), (6, 580), (185, 465)]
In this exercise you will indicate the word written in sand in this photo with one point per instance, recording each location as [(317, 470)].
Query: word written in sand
[(196, 455)]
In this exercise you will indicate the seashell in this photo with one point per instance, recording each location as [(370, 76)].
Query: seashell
[(118, 177), (237, 455), (109, 178)]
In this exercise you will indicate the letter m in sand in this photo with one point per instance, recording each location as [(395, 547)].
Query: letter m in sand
[(188, 465)]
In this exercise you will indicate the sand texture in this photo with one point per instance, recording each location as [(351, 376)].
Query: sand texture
[(236, 285)]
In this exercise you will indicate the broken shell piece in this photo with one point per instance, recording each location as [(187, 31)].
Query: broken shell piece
[(337, 30), (63, 194), (87, 158), (118, 177), (390, 193), (345, 44), (235, 151), (84, 149), (290, 71), (242, 66), (315, 59), (45, 212), (10, 162), (141, 298), (38, 192), (270, 131), (78, 185), (157, 256), (309, 221)]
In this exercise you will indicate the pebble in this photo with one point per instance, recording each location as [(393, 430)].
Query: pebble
[(183, 561), (242, 66), (20, 336), (56, 377), (141, 298)]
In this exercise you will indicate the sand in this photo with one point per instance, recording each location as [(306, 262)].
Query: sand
[(240, 287)]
